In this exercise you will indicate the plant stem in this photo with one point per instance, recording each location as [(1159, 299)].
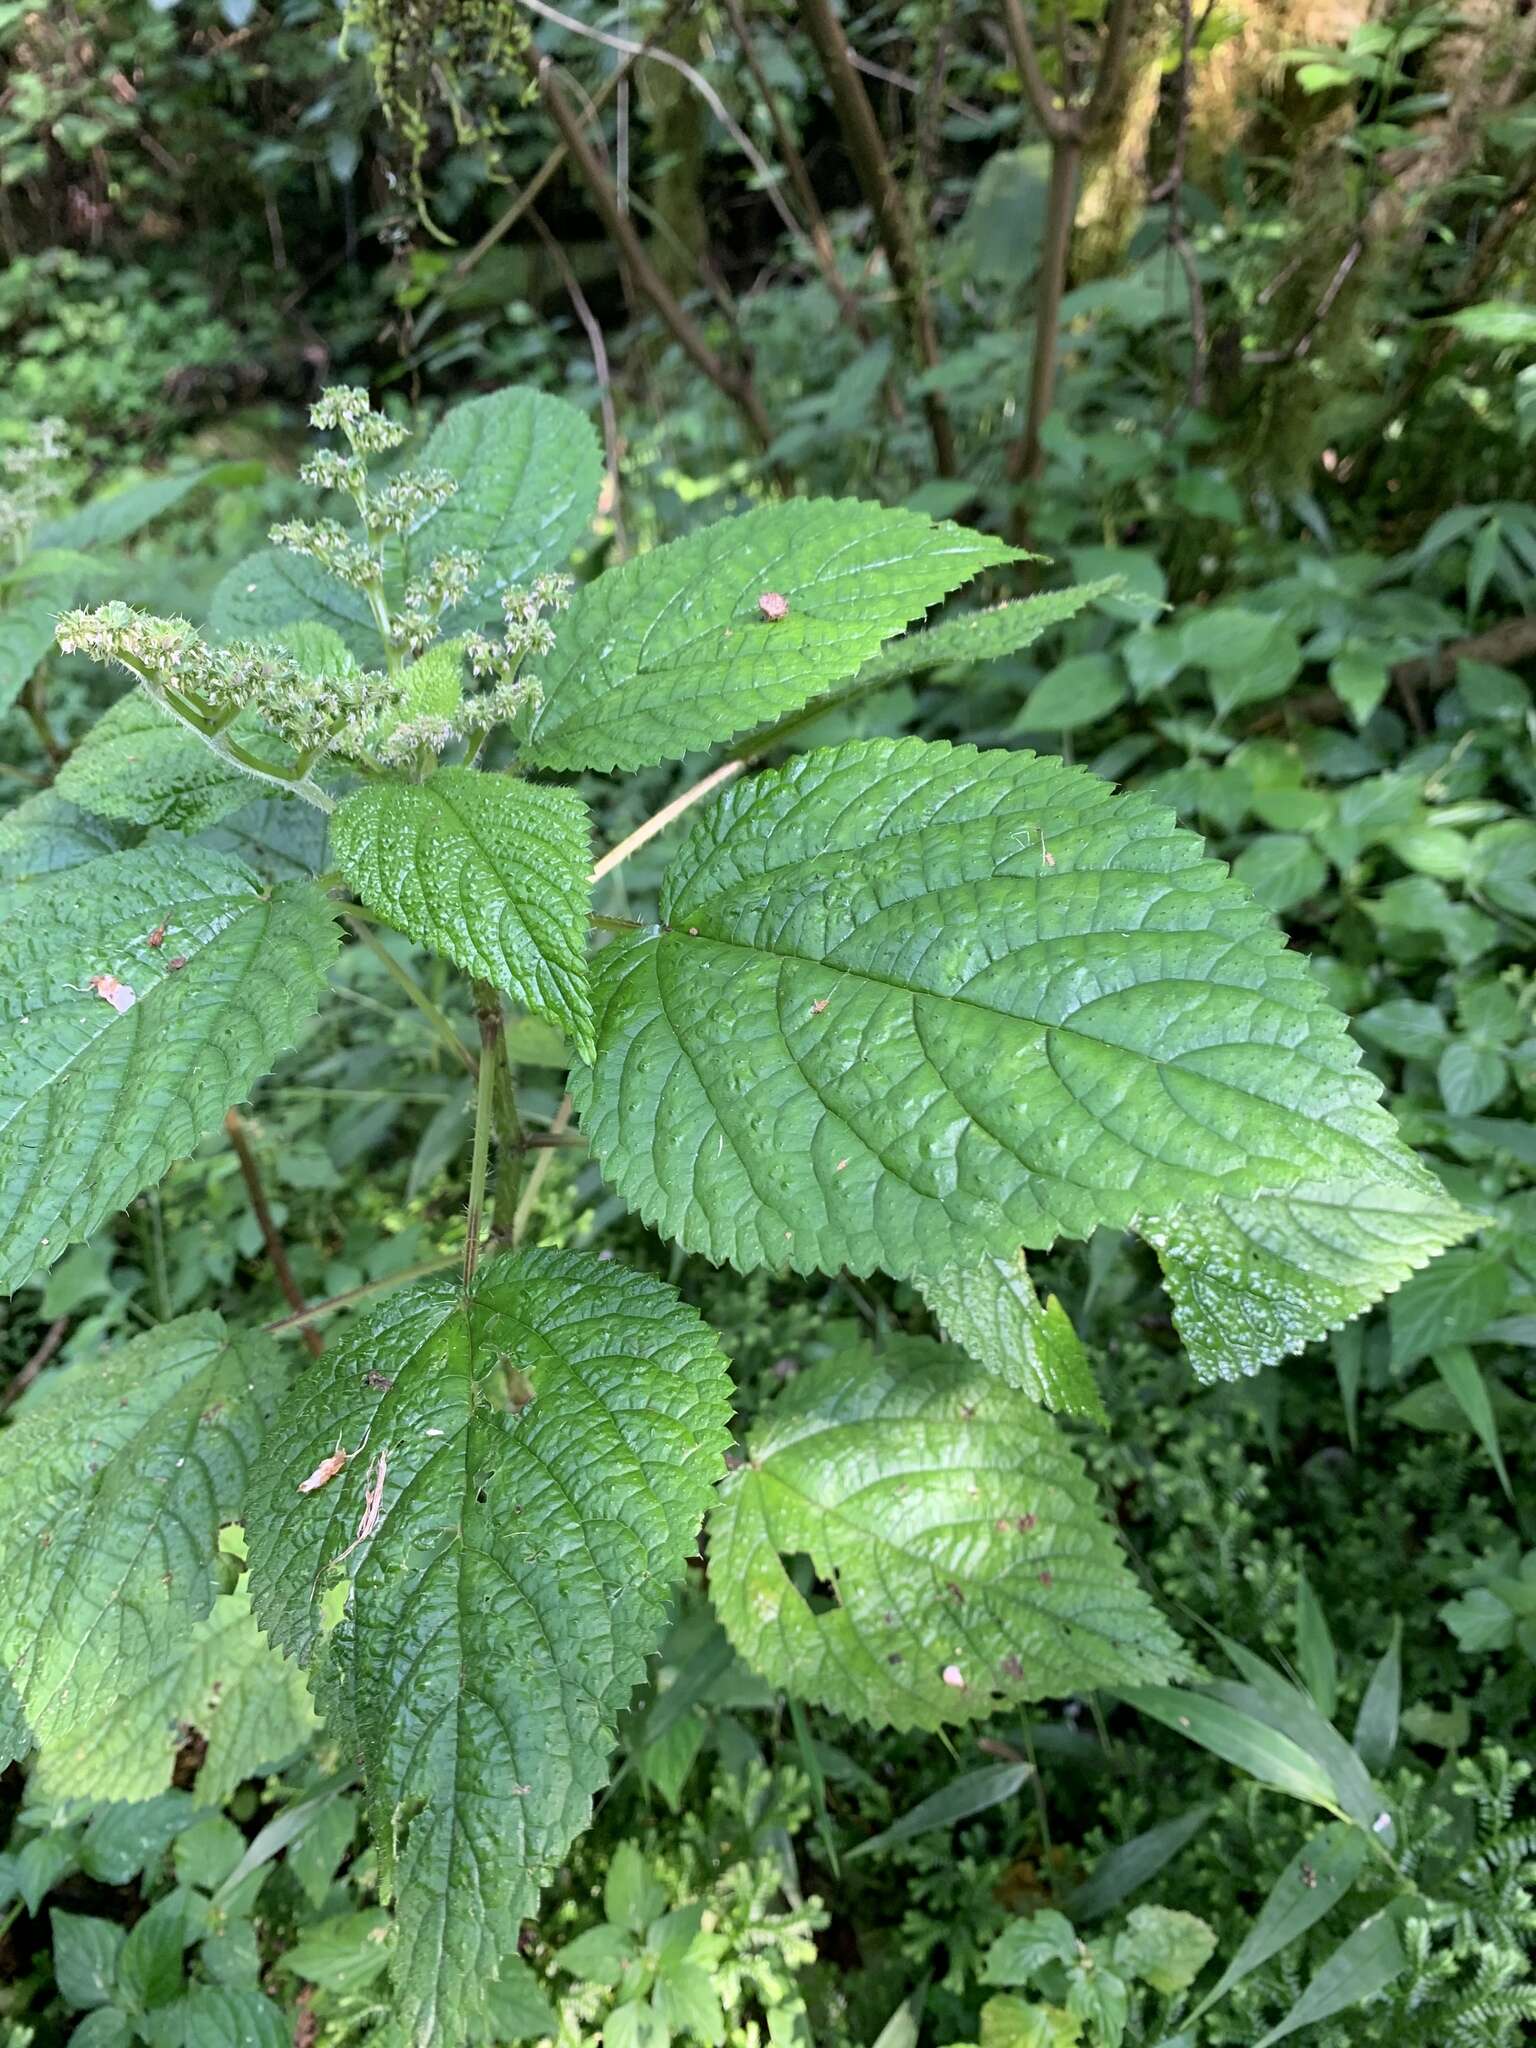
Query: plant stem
[(277, 1251), (287, 1325), (485, 1095), (555, 1135), (617, 855), (418, 995)]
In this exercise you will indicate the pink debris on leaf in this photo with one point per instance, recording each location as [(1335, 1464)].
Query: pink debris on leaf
[(773, 606), (952, 1675), (113, 991)]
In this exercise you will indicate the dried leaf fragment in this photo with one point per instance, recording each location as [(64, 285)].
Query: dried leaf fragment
[(324, 1472)]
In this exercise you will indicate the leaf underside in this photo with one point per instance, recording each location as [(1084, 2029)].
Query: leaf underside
[(488, 871), (111, 1497), (548, 1447), (96, 1103), (672, 651), (911, 1004), (957, 1531)]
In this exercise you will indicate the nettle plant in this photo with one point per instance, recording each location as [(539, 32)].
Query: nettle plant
[(905, 1006)]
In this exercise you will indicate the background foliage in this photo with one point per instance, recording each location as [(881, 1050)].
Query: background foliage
[(1225, 302)]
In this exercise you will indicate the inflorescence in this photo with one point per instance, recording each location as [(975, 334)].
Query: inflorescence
[(311, 694)]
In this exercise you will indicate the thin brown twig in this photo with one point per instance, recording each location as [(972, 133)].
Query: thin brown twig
[(887, 205), (592, 328), (25, 1374), (660, 820), (817, 232), (286, 1326), (277, 1252), (734, 384)]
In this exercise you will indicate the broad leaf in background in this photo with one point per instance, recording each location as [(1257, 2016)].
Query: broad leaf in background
[(276, 588), (527, 1469), (991, 1310), (688, 645), (111, 1497), (968, 1562), (140, 997), (141, 765), (529, 468), (115, 516), (489, 871), (26, 635), (910, 1004), (222, 1679), (45, 834)]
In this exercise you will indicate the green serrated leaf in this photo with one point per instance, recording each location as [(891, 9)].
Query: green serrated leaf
[(490, 872), (529, 467), (275, 588), (539, 1454), (910, 1004), (216, 2016), (220, 1678), (99, 1093), (139, 764), (1254, 1280), (961, 1540), (111, 1497), (991, 1310), (976, 636), (673, 651)]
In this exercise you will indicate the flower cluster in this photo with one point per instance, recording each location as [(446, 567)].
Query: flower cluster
[(447, 581), (347, 409), (528, 628), (330, 709), (28, 480), (328, 542)]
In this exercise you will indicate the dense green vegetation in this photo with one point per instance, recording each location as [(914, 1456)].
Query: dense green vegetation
[(539, 1499)]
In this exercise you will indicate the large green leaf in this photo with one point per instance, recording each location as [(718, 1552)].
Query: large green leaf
[(991, 1310), (537, 1456), (276, 588), (529, 468), (221, 1678), (111, 1497), (673, 651), (100, 1094), (910, 1004), (141, 765), (959, 1535), (490, 871)]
